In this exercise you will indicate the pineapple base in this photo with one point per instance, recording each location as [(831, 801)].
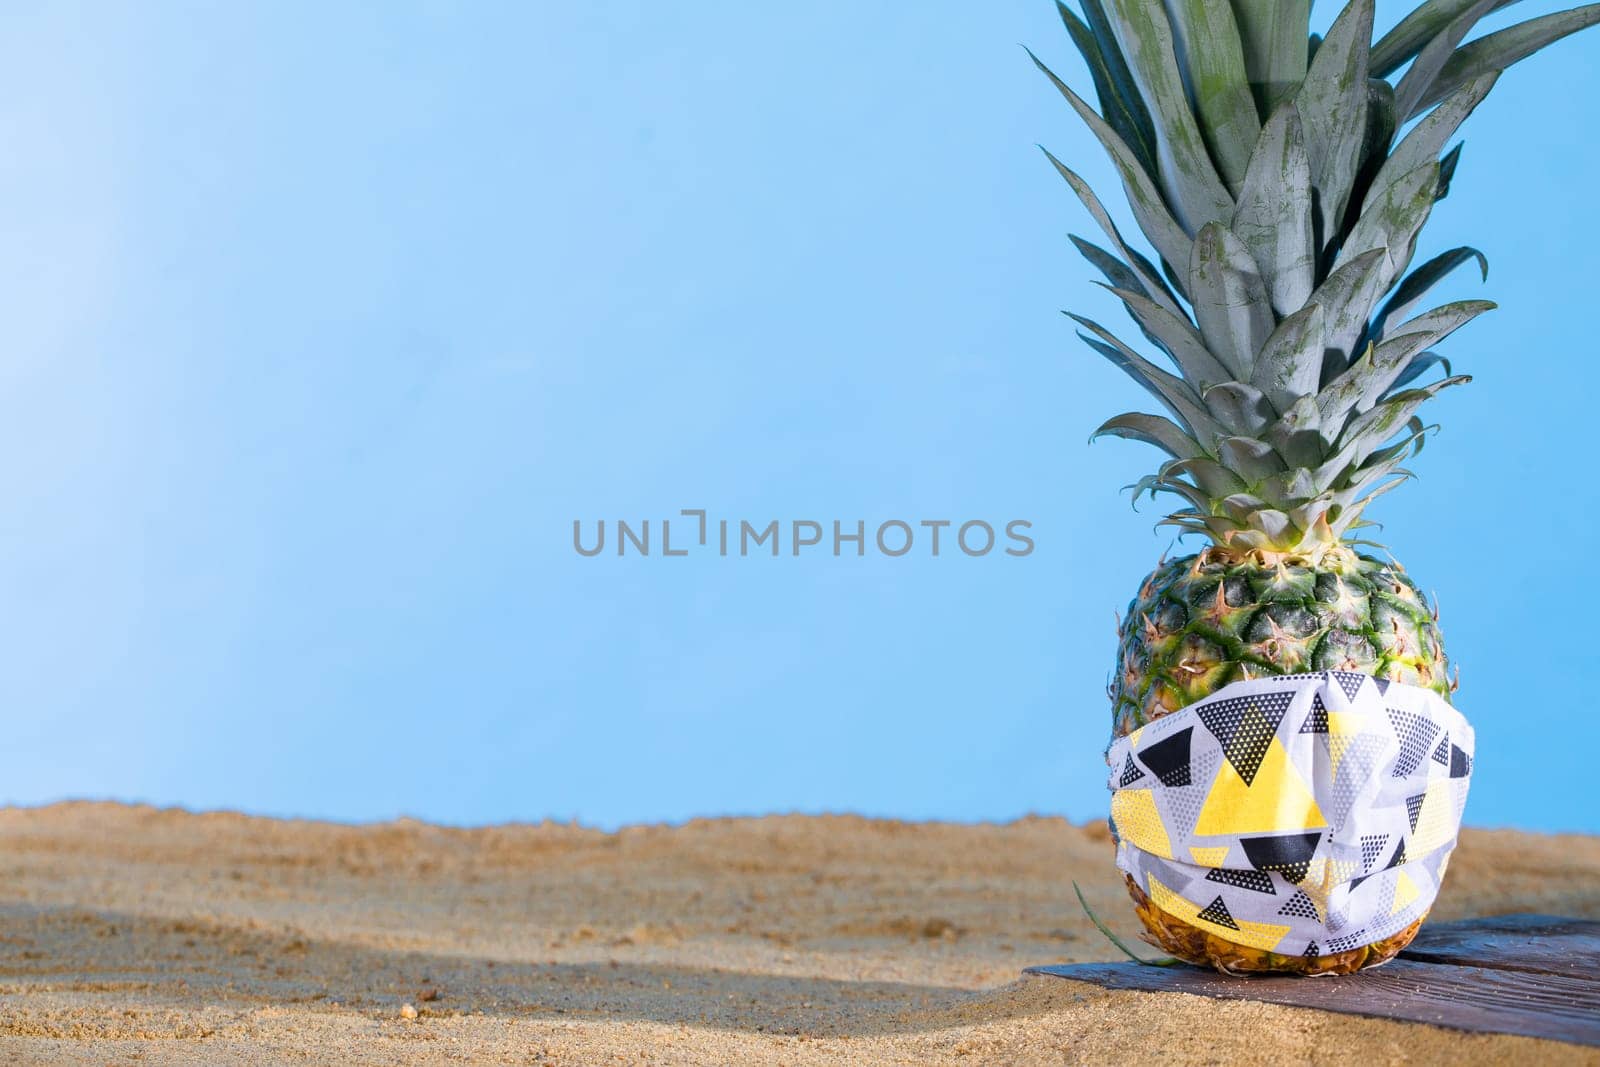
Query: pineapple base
[(1192, 945)]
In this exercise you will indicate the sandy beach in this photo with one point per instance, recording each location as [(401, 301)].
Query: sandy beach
[(144, 936)]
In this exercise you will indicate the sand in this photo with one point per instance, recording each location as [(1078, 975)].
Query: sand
[(144, 936)]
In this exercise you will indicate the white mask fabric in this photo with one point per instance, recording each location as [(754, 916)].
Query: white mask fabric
[(1303, 814)]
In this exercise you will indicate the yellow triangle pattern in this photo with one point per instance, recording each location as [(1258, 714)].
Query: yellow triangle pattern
[(1338, 745), (1405, 893), (1345, 723), (1436, 821), (1343, 728), (1170, 902), (1133, 739), (1263, 936), (1278, 799), (1210, 857), (1138, 821), (1316, 885)]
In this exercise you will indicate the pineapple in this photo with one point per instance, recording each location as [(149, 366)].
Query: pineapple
[(1281, 180)]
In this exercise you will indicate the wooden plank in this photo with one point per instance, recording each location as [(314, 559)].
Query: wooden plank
[(1543, 944), (1534, 975), (1480, 999)]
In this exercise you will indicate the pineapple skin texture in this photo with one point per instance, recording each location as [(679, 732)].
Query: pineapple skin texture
[(1201, 622)]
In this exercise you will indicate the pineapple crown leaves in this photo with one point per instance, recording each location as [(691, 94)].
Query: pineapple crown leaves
[(1268, 171)]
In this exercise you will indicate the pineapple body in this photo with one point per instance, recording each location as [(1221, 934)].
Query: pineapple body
[(1201, 622)]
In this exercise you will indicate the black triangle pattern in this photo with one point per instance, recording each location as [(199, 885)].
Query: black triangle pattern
[(1130, 773), (1398, 858), (1349, 681), (1300, 907), (1168, 758), (1245, 726), (1460, 763), (1441, 752), (1317, 721), (1288, 854), (1217, 912), (1382, 684), (1257, 881), (1413, 809), (1311, 951), (1183, 805), (1347, 942), (1415, 734), (1371, 848)]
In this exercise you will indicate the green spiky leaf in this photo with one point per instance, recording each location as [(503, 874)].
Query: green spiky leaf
[(1229, 298), (1425, 277), (1424, 70), (1497, 51), (1273, 36), (1147, 274), (1289, 365), (1194, 192), (1176, 337), (1346, 298), (1333, 111), (1416, 30), (1220, 85), (1274, 214), (1119, 99), (1149, 209), (1173, 392), (1241, 408), (1417, 367), (1391, 220), (1425, 140), (1151, 430)]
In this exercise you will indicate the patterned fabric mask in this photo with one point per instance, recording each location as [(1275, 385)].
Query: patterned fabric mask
[(1302, 814)]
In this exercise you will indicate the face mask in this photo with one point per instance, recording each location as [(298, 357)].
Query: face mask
[(1305, 814)]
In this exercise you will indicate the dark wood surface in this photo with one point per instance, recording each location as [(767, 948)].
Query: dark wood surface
[(1534, 975), (1546, 944)]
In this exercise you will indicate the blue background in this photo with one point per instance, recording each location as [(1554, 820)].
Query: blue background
[(322, 323)]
